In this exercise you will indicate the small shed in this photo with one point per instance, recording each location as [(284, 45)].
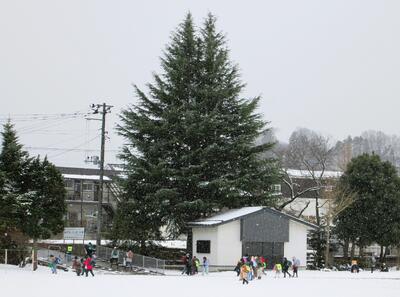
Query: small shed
[(259, 231)]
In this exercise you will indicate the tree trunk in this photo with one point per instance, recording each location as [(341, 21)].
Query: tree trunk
[(361, 252), (34, 255), (386, 253), (189, 241), (346, 249), (317, 216), (381, 255), (327, 245), (143, 247), (320, 250), (353, 249)]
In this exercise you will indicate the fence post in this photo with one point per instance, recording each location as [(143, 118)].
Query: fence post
[(5, 257)]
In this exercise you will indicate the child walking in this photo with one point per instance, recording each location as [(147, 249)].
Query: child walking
[(244, 271)]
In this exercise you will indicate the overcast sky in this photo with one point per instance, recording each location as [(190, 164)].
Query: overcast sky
[(331, 66)]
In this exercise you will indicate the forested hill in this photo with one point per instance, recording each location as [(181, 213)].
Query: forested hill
[(337, 153)]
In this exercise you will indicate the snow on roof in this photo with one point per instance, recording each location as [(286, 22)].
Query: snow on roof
[(85, 177), (227, 216), (234, 214), (306, 174)]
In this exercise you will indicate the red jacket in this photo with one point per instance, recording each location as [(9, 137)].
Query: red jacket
[(87, 263)]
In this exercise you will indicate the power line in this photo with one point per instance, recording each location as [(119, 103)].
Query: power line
[(65, 149), (72, 149), (41, 116), (40, 126), (41, 121)]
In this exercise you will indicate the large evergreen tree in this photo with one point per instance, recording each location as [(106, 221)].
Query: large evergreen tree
[(190, 142)]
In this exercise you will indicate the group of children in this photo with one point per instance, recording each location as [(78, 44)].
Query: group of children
[(250, 268), (285, 266), (84, 266), (192, 265)]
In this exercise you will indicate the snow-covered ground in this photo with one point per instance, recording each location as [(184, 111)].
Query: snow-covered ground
[(15, 282)]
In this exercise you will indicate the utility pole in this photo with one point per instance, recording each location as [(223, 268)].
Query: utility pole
[(103, 109)]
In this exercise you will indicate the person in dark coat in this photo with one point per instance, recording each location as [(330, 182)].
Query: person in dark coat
[(90, 249), (237, 267), (189, 264), (285, 267)]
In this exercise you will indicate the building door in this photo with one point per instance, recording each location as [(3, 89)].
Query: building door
[(272, 251)]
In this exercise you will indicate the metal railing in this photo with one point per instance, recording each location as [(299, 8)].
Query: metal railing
[(44, 254), (139, 262), (150, 264)]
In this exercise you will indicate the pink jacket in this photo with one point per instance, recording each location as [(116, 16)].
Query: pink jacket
[(87, 263)]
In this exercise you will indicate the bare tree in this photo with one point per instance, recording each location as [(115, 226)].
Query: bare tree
[(313, 153), (296, 189)]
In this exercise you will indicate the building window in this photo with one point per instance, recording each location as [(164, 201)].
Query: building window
[(203, 246), (69, 183), (87, 186), (276, 189)]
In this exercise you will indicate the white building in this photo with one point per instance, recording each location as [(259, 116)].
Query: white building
[(226, 237)]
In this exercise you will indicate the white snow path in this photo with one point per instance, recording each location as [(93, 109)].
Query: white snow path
[(22, 282)]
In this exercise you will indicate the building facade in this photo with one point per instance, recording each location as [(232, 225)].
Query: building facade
[(83, 192), (307, 188)]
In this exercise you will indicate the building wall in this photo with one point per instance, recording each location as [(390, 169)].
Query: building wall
[(297, 245), (226, 245), (229, 244), (206, 233), (265, 226)]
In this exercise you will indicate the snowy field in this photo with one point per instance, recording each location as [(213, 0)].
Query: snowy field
[(15, 282)]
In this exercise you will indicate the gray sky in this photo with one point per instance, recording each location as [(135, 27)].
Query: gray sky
[(331, 66)]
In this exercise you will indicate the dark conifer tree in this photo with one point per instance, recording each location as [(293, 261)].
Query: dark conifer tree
[(13, 159), (13, 182), (42, 208), (191, 140), (374, 216), (32, 193)]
